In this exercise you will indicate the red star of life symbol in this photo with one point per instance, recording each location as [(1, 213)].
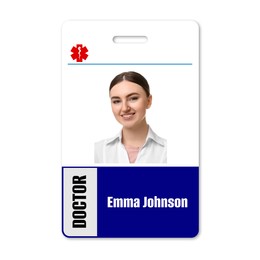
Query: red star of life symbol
[(79, 53)]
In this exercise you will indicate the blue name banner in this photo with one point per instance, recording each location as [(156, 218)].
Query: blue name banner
[(130, 201)]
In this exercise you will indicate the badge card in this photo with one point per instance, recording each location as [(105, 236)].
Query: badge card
[(130, 129)]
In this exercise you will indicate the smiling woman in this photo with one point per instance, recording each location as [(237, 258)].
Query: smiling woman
[(136, 143)]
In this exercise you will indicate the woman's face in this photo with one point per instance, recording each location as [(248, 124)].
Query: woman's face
[(129, 103)]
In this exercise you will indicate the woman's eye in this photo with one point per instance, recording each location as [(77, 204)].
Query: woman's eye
[(133, 98), (116, 101)]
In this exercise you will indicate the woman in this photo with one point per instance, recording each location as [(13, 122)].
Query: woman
[(136, 143)]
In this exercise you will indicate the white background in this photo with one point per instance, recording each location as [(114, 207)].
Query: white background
[(86, 107), (30, 83)]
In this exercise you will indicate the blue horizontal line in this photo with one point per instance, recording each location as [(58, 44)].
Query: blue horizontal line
[(138, 64)]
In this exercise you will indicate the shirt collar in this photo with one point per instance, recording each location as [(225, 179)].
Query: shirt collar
[(153, 136), (150, 136)]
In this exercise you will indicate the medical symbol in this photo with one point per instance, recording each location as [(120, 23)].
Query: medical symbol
[(79, 53)]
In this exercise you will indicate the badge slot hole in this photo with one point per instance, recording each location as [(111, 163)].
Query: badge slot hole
[(129, 39)]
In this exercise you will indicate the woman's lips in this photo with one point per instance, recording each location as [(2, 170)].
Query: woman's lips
[(128, 116)]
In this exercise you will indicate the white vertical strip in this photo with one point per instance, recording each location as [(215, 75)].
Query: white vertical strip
[(79, 202)]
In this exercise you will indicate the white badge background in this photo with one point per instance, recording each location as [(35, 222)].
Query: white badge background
[(86, 109)]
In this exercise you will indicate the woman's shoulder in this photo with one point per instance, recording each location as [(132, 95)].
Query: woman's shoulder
[(105, 147), (157, 138), (99, 143), (107, 141)]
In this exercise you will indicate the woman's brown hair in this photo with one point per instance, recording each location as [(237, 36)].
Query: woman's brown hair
[(132, 77)]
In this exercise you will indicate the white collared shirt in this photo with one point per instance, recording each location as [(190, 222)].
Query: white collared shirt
[(112, 150)]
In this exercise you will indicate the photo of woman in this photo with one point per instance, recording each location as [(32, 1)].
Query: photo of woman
[(130, 97)]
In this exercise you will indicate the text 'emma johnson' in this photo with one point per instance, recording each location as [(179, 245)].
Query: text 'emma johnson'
[(153, 202)]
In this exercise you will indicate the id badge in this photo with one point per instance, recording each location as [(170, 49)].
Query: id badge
[(130, 129)]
